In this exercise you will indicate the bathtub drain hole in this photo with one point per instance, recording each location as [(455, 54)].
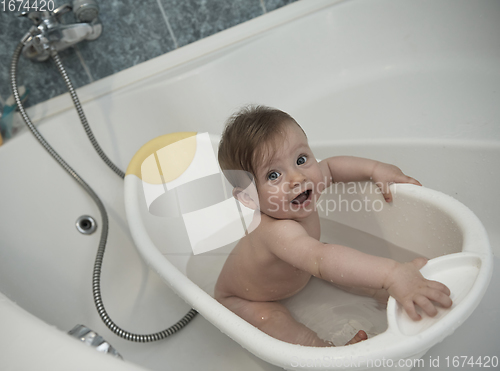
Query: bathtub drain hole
[(86, 224)]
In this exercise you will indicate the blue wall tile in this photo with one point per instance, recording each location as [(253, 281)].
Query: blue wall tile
[(275, 4), (133, 32), (195, 19)]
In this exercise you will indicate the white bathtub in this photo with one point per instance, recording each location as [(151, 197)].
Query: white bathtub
[(414, 84)]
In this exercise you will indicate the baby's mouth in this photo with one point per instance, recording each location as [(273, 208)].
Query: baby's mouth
[(303, 197)]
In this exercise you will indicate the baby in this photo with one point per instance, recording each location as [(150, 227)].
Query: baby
[(277, 258)]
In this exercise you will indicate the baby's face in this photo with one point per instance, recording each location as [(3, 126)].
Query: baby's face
[(289, 184)]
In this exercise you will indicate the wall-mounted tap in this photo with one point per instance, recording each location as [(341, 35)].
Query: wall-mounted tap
[(50, 35)]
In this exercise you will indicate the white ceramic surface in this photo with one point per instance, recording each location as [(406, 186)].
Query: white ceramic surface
[(411, 83)]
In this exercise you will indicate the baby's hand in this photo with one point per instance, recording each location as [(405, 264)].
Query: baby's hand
[(407, 285), (385, 174)]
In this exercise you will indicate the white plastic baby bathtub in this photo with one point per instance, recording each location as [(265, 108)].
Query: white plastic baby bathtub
[(419, 222), (404, 82)]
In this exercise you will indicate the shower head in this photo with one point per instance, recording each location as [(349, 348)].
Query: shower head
[(85, 10)]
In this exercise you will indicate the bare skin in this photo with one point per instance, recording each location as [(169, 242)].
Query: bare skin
[(277, 259), (253, 281)]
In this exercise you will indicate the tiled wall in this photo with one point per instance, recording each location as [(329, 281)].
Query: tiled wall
[(133, 32)]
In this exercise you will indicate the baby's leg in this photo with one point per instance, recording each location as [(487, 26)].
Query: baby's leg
[(275, 320)]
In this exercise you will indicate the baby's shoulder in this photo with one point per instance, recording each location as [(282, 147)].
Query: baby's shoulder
[(271, 228)]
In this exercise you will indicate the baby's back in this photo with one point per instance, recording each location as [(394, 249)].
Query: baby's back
[(253, 272)]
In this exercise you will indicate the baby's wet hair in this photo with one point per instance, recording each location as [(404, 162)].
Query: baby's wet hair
[(248, 138)]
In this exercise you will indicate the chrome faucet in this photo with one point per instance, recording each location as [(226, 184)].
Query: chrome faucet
[(49, 35)]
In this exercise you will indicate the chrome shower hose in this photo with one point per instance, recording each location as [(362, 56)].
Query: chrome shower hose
[(96, 277)]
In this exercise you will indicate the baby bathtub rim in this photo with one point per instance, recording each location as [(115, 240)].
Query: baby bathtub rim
[(281, 353)]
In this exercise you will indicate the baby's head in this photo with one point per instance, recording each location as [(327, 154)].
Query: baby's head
[(249, 138)]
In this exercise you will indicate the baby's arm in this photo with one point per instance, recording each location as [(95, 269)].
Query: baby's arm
[(355, 169), (348, 267)]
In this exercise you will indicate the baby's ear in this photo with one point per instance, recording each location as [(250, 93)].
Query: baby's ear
[(243, 196)]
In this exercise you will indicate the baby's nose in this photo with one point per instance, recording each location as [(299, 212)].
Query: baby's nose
[(296, 179)]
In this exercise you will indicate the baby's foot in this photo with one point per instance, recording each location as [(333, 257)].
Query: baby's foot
[(360, 336)]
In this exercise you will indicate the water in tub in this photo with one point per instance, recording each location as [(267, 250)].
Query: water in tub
[(334, 314)]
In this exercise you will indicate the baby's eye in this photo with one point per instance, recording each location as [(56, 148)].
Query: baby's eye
[(273, 175), (301, 160)]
